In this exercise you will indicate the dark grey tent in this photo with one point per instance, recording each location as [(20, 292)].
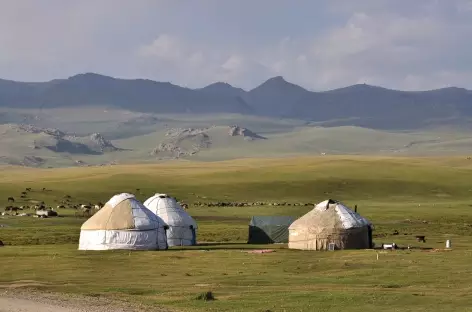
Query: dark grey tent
[(269, 229)]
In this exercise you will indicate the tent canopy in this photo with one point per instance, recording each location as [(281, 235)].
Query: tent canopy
[(269, 229)]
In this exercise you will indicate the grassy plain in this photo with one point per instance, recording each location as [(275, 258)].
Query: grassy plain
[(415, 196)]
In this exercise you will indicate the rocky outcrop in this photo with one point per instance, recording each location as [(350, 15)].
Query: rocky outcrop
[(244, 132), (60, 142), (183, 142), (33, 161), (99, 143), (34, 129)]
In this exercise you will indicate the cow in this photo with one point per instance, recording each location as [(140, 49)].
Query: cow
[(11, 199)]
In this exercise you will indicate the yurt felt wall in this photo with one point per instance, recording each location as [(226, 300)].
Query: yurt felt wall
[(182, 229), (123, 223)]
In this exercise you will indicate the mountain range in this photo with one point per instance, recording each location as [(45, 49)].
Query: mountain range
[(357, 105)]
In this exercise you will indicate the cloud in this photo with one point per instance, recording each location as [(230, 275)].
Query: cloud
[(385, 47), (318, 44), (182, 62)]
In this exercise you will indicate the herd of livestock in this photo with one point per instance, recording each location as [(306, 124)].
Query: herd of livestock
[(88, 208)]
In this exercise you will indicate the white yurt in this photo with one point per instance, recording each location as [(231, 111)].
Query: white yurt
[(123, 223), (330, 225), (182, 229)]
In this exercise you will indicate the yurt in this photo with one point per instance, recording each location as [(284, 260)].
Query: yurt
[(182, 227), (123, 223), (329, 226)]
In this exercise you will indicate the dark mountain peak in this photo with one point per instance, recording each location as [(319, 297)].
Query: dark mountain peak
[(358, 87), (278, 83), (451, 90), (223, 88), (277, 79), (275, 96), (90, 77), (218, 85)]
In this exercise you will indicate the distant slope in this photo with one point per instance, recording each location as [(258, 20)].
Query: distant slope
[(102, 137), (97, 90), (357, 105), (377, 107)]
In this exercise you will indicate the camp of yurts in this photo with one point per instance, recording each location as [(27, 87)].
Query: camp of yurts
[(330, 225), (123, 223), (182, 229)]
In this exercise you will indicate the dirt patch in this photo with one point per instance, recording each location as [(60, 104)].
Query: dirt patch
[(260, 251), (34, 301), (22, 283)]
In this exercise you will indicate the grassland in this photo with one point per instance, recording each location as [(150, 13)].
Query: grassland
[(427, 196)]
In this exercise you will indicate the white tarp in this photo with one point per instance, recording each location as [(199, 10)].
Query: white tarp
[(123, 223), (182, 227), (349, 218)]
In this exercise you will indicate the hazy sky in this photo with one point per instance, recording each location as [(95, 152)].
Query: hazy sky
[(319, 44)]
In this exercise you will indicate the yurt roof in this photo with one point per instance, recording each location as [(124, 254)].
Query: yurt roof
[(169, 210), (123, 212), (331, 213)]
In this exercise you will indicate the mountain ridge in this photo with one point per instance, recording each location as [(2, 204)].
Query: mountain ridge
[(92, 74), (276, 97)]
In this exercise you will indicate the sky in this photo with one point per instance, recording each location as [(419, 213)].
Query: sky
[(318, 44)]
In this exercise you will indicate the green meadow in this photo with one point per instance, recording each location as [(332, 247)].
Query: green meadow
[(411, 196)]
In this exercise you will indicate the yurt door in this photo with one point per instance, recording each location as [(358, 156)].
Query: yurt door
[(194, 236), (369, 231)]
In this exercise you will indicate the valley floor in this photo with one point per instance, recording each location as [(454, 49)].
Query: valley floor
[(403, 197)]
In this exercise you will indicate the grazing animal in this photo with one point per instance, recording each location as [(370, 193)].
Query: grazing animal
[(23, 193), (28, 189), (12, 209), (11, 199), (97, 207), (61, 206), (184, 206)]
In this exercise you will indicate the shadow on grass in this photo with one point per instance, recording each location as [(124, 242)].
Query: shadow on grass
[(227, 246)]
